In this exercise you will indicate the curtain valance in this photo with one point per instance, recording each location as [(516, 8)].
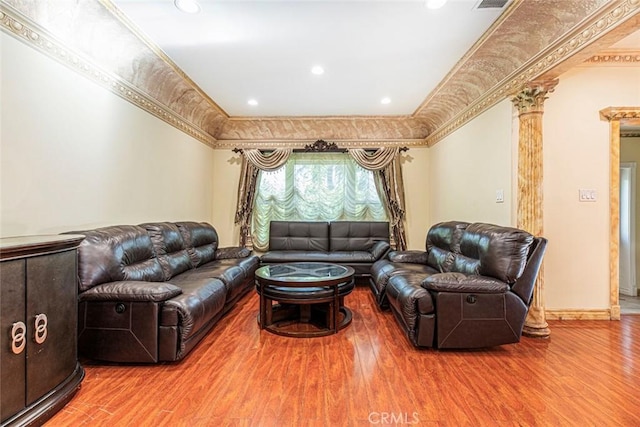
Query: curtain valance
[(377, 160), (267, 161)]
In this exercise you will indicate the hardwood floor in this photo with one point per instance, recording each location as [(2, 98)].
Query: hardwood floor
[(586, 374)]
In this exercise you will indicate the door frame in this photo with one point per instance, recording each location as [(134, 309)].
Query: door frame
[(616, 116)]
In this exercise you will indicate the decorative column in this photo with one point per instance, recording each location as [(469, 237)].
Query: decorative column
[(530, 105)]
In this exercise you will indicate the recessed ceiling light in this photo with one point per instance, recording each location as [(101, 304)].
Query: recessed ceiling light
[(317, 70), (187, 6), (385, 100), (252, 102), (435, 4)]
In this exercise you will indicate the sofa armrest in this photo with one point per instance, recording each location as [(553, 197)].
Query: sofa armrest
[(131, 291), (379, 249), (232, 252), (458, 282), (411, 257)]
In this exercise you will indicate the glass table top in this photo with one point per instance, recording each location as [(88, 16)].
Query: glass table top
[(303, 272)]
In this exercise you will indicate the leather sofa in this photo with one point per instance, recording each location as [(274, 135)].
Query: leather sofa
[(357, 244), (470, 288), (150, 292)]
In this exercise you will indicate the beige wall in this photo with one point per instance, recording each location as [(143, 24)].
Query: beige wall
[(414, 164), (630, 152), (468, 166), (576, 155), (75, 156)]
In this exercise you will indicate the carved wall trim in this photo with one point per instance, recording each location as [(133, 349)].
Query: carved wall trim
[(619, 113), (616, 57), (602, 22), (34, 35), (300, 144)]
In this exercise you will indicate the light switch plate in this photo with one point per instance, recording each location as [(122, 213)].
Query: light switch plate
[(587, 195), (500, 196)]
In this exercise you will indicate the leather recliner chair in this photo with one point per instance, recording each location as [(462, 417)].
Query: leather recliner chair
[(471, 288)]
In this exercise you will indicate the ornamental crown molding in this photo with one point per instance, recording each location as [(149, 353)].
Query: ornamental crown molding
[(601, 21), (615, 57), (25, 29), (511, 54)]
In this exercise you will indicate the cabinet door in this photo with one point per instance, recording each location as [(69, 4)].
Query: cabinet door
[(12, 366), (51, 295)]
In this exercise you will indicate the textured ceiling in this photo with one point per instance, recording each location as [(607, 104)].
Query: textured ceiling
[(184, 85)]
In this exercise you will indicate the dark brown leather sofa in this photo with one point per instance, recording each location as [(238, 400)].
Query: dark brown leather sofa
[(471, 288), (149, 293), (357, 244)]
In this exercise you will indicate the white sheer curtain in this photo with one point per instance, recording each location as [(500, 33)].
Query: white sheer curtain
[(314, 187)]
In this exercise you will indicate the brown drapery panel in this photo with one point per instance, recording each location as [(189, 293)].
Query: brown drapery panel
[(386, 166), (254, 161)]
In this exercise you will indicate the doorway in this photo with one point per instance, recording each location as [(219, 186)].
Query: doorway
[(629, 301)]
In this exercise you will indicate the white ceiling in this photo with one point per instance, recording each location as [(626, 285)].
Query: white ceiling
[(238, 50)]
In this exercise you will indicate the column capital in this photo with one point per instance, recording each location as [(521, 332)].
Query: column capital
[(531, 98)]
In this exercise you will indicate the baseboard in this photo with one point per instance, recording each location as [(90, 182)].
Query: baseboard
[(578, 314)]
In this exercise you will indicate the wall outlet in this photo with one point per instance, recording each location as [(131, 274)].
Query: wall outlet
[(587, 195), (500, 196)]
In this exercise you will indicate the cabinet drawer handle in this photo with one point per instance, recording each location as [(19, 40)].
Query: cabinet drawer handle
[(18, 340), (40, 328)]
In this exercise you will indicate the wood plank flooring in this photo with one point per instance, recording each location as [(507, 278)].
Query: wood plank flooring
[(586, 374)]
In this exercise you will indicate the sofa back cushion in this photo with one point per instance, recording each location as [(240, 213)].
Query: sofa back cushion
[(443, 242), (201, 240), (298, 236), (494, 251), (356, 235), (110, 254), (169, 247)]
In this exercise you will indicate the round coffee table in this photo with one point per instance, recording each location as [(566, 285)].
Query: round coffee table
[(309, 296)]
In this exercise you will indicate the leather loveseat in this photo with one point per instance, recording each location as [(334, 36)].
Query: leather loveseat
[(151, 292), (357, 244), (471, 288)]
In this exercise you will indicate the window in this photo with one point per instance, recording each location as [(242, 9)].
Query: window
[(314, 187)]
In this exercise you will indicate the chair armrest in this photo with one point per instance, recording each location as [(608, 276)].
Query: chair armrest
[(411, 257), (232, 252), (131, 290), (458, 282), (380, 249)]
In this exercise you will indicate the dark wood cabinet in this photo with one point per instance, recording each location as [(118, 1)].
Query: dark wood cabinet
[(39, 368)]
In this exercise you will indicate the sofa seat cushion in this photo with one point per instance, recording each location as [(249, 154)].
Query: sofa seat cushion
[(249, 264), (202, 299), (232, 275), (295, 256), (384, 269), (409, 299)]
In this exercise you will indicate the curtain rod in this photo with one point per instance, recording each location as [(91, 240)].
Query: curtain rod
[(320, 146)]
